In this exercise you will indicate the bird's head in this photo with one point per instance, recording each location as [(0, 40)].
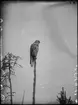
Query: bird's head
[(37, 42)]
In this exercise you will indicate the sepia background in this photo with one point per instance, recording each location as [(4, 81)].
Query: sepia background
[(56, 28)]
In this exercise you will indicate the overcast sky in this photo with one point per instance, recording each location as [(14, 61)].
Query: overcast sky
[(56, 28)]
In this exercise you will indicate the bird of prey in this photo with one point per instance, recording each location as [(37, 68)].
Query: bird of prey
[(34, 48)]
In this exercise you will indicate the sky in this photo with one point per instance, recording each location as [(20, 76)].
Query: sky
[(56, 28)]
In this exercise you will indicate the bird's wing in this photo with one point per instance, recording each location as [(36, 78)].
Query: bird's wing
[(34, 49)]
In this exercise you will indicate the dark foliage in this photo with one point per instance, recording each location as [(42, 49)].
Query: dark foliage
[(7, 69), (63, 99)]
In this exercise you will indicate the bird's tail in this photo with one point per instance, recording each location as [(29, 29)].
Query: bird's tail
[(31, 62)]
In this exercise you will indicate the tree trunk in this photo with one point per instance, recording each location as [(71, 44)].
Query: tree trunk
[(34, 82), (11, 90), (10, 85)]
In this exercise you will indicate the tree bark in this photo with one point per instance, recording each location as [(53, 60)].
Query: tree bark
[(34, 83)]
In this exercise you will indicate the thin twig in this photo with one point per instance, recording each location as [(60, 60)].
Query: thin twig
[(23, 97)]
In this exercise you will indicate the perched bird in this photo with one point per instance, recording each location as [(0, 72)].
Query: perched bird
[(34, 48)]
